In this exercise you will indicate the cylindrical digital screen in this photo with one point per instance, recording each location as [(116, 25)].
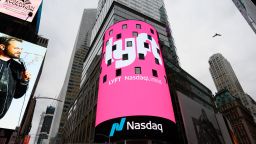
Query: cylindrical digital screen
[(133, 80)]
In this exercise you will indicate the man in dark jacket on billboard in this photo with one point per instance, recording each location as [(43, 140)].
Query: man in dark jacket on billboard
[(14, 78)]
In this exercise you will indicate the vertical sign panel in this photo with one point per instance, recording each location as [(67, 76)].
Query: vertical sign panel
[(133, 79), (20, 63)]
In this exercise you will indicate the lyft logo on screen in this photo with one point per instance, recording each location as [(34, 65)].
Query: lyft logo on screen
[(133, 48)]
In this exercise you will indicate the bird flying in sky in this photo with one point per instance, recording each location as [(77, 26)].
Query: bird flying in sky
[(216, 34)]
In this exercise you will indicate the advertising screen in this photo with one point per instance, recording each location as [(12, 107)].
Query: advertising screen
[(20, 62), (200, 122), (133, 84), (22, 9)]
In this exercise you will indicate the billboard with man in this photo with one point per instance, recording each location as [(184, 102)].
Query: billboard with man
[(20, 62)]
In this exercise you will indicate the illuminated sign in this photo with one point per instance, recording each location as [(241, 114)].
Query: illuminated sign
[(117, 127), (132, 125), (133, 80), (20, 63), (22, 9)]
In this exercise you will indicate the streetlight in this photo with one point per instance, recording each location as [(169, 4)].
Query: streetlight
[(24, 130), (48, 98), (108, 137)]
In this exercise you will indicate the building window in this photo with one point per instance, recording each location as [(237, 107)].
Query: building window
[(138, 26), (125, 56), (135, 34), (129, 43), (158, 51), (146, 45), (118, 36), (141, 56), (157, 61), (104, 78), (154, 72), (110, 32), (137, 70), (118, 72), (124, 26), (149, 37), (109, 62), (152, 31), (113, 47)]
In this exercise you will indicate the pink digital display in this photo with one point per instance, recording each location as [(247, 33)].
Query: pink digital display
[(22, 9), (133, 78)]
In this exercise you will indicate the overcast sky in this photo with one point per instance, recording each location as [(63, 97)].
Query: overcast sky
[(193, 23)]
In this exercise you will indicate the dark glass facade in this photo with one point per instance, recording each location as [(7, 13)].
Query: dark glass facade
[(73, 79), (46, 126), (248, 10)]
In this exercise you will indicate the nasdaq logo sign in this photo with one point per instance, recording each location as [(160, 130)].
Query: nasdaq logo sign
[(132, 125), (117, 127)]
